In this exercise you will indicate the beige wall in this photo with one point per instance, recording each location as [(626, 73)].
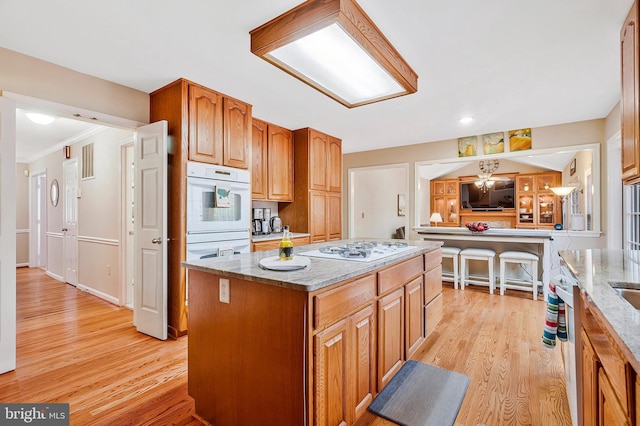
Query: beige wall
[(579, 133), (99, 214), (39, 79), (22, 215)]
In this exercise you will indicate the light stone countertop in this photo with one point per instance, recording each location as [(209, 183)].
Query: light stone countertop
[(276, 236), (320, 273), (595, 269), (491, 232)]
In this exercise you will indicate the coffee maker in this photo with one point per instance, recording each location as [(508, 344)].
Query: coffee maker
[(266, 221)]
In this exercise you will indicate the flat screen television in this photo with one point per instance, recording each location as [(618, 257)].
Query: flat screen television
[(500, 196)]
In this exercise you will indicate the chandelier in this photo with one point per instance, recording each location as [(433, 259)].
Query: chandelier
[(484, 181)]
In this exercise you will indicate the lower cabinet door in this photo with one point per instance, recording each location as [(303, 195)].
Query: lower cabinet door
[(610, 412), (330, 375), (414, 320), (390, 336), (363, 371)]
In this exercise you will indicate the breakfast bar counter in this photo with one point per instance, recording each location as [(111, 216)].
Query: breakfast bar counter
[(309, 346)]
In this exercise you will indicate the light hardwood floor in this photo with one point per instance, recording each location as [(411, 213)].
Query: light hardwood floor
[(76, 348)]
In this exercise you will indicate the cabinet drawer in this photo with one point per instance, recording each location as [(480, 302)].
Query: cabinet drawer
[(337, 303), (398, 275), (433, 259), (432, 283)]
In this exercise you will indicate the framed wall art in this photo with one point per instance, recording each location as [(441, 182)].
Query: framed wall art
[(519, 140), (467, 146), (493, 143), (572, 167)]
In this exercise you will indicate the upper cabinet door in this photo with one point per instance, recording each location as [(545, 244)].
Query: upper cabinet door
[(205, 125), (258, 159), (629, 101), (318, 160), (334, 169), (237, 133), (280, 163)]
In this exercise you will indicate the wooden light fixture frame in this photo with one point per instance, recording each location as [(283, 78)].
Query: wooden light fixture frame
[(314, 15)]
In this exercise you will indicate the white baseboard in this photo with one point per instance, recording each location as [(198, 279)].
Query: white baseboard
[(54, 276), (99, 294), (22, 265)]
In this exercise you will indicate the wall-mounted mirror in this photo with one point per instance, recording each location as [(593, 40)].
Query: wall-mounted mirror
[(584, 201), (54, 193)]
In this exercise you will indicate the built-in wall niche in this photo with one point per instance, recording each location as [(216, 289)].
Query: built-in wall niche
[(586, 178)]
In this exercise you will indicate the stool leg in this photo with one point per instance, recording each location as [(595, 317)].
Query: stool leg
[(534, 274), (491, 276), (463, 271), (455, 271), (502, 276)]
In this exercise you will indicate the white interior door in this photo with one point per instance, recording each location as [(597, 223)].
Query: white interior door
[(70, 220), (38, 239), (128, 177), (7, 235), (150, 299)]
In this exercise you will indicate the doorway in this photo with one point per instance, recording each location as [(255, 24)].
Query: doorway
[(378, 201)]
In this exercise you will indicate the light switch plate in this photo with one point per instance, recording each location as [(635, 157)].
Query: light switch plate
[(224, 290)]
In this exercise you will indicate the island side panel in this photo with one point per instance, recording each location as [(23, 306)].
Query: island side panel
[(247, 358)]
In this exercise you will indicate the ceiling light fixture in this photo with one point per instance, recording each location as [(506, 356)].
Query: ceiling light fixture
[(466, 120), (333, 46), (485, 181), (40, 118)]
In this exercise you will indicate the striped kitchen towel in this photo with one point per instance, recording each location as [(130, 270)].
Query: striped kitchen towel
[(555, 324)]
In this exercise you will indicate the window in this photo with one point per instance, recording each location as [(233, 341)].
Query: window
[(87, 161), (632, 217)]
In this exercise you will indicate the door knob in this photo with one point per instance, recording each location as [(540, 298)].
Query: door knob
[(64, 229), (157, 240), (130, 232)]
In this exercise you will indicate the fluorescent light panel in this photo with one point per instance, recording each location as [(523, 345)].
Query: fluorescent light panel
[(332, 59), (333, 46)]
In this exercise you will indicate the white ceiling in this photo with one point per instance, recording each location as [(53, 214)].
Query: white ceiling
[(510, 64)]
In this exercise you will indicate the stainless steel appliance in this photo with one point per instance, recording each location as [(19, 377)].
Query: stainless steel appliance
[(276, 224), (218, 210), (363, 251)]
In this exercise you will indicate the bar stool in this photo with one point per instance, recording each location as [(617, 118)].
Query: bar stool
[(484, 255), (453, 276), (521, 258)]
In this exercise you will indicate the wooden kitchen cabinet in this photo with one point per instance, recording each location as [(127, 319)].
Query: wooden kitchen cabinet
[(536, 205), (629, 114), (272, 165), (204, 126), (445, 199), (608, 381), (274, 244), (317, 205), (259, 159), (219, 128), (414, 315), (391, 336)]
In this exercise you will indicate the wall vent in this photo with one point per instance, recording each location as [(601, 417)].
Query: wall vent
[(87, 161)]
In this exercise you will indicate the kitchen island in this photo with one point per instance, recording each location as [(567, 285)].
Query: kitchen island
[(306, 347)]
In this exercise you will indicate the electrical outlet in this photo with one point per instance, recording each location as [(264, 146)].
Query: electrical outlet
[(224, 290), (109, 270)]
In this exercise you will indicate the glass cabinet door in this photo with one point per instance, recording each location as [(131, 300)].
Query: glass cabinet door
[(526, 209), (544, 182), (438, 187), (524, 184), (451, 187), (546, 209)]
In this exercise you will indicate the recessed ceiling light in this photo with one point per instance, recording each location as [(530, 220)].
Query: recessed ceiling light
[(466, 120), (40, 118)]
